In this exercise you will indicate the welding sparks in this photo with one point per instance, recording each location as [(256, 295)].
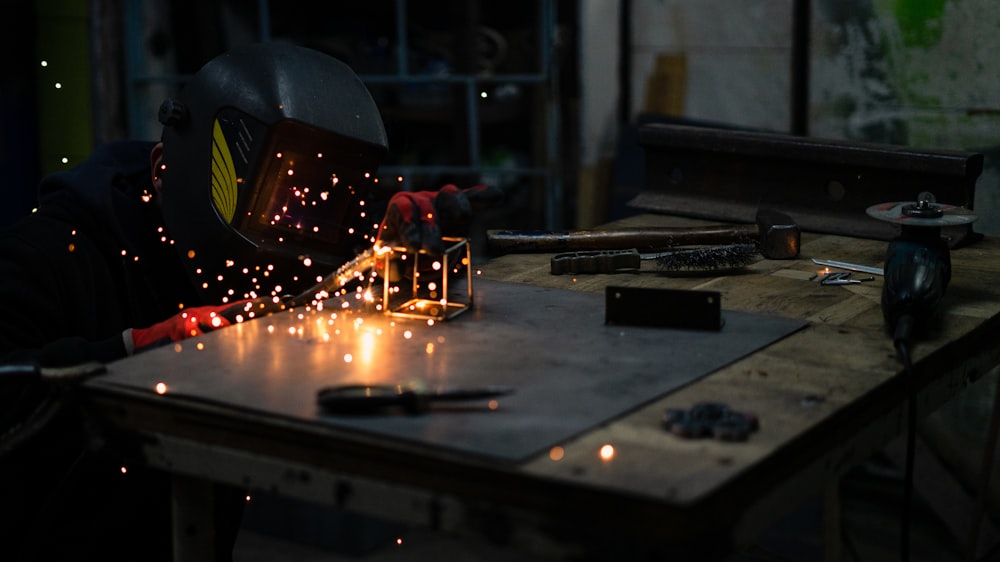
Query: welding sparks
[(607, 452)]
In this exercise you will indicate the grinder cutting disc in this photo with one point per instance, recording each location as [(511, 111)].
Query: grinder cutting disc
[(922, 213)]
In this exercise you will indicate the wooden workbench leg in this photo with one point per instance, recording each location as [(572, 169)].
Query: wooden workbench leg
[(193, 509), (831, 520)]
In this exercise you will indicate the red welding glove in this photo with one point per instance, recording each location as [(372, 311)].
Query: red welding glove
[(419, 219), (185, 324)]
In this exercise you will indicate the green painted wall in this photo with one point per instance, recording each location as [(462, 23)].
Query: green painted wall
[(920, 21), (922, 73)]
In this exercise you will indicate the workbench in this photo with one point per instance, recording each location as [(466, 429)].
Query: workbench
[(828, 396)]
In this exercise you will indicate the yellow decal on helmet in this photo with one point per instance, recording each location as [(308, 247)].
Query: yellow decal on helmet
[(223, 175)]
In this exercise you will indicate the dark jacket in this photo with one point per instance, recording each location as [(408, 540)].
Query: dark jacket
[(87, 265)]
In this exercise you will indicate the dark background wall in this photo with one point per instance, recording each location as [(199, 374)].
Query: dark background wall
[(19, 168)]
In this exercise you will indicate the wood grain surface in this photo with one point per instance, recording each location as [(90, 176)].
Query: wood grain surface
[(827, 396)]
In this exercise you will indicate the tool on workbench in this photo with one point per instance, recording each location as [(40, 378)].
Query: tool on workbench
[(918, 262), (367, 399), (775, 233), (849, 266), (917, 273), (708, 259)]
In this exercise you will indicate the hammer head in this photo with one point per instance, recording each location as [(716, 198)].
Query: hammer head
[(779, 236)]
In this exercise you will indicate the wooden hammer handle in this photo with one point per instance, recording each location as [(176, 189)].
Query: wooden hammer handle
[(641, 238)]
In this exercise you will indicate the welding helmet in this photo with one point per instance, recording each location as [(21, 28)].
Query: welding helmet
[(269, 152)]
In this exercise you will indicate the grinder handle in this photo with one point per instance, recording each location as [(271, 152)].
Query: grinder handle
[(916, 277)]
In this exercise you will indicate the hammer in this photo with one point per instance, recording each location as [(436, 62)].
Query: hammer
[(775, 233)]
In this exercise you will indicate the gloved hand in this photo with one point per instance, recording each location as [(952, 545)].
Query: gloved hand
[(185, 324), (418, 219)]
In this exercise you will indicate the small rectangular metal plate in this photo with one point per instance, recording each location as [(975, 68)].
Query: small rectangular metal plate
[(664, 308)]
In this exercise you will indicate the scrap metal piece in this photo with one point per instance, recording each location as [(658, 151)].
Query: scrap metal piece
[(842, 278), (710, 419)]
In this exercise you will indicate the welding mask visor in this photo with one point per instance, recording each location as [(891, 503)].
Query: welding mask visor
[(306, 196)]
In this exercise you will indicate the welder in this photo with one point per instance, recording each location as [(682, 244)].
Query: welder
[(262, 182)]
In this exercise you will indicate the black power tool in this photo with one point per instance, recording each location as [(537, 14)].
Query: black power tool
[(918, 262), (917, 271)]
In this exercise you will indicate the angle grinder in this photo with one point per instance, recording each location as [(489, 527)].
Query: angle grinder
[(917, 271), (918, 262)]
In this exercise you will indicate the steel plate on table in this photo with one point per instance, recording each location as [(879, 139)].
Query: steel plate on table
[(570, 370)]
